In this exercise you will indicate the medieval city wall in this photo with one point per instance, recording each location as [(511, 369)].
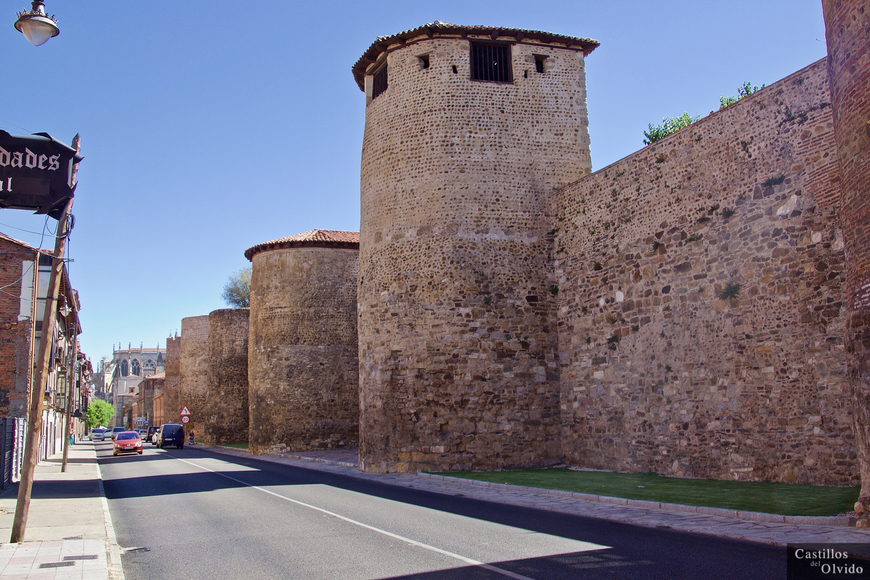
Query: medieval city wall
[(193, 367), (302, 355), (700, 289), (172, 381), (458, 365), (846, 26), (227, 389)]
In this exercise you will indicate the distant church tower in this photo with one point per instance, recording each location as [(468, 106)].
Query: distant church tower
[(468, 130)]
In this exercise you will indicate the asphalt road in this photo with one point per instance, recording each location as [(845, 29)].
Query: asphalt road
[(191, 513)]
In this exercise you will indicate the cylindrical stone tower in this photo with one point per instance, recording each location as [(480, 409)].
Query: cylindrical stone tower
[(847, 28), (172, 382), (227, 392), (194, 374), (468, 130), (302, 352)]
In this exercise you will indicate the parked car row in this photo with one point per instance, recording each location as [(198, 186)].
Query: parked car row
[(124, 441)]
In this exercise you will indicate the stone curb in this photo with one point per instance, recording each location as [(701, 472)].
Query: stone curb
[(287, 455), (115, 568), (838, 521), (317, 459)]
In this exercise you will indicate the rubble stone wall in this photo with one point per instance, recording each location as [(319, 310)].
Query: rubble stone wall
[(701, 299), (302, 353), (847, 30), (458, 365), (172, 381), (227, 391), (193, 383)]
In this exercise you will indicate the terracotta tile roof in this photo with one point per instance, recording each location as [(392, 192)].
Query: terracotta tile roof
[(439, 28), (313, 238)]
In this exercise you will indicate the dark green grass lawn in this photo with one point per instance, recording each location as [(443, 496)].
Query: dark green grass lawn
[(766, 497)]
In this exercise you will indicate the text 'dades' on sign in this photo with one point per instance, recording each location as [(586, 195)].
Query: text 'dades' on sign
[(37, 172)]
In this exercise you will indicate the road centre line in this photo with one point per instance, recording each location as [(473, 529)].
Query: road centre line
[(462, 559)]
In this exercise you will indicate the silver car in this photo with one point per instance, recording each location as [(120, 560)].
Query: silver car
[(98, 434)]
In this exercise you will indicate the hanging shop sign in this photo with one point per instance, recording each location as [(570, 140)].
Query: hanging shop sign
[(36, 173)]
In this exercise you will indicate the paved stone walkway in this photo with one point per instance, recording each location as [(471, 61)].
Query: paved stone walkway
[(69, 533)]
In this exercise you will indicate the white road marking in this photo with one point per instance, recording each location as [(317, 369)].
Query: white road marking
[(462, 559)]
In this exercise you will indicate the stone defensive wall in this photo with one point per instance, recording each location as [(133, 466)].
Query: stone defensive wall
[(193, 383), (172, 381), (458, 342), (227, 389), (701, 299), (303, 369), (846, 30)]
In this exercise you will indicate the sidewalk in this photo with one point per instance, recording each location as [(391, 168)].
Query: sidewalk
[(69, 534)]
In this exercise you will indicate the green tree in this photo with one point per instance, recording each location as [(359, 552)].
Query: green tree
[(743, 91), (669, 125), (237, 290), (99, 413)]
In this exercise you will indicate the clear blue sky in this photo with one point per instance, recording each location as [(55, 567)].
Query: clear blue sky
[(209, 127)]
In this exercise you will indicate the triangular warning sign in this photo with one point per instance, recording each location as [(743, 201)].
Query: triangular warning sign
[(185, 412)]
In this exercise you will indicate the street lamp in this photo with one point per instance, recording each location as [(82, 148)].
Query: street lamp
[(35, 25)]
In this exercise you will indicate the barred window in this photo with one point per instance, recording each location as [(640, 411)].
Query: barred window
[(380, 82), (491, 62)]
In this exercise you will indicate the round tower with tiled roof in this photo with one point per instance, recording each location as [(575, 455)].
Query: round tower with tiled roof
[(302, 347), (468, 130)]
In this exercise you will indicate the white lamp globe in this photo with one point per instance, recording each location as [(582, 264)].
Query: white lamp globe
[(37, 29)]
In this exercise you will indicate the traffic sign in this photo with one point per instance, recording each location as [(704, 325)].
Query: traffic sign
[(185, 412), (185, 419)]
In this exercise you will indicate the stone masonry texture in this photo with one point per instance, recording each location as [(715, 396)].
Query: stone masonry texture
[(701, 299), (458, 332), (227, 390), (172, 381), (847, 28), (193, 366), (303, 369)]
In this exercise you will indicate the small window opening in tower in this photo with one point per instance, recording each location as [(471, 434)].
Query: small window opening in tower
[(379, 84), (539, 62), (491, 62), (454, 69), (424, 60)]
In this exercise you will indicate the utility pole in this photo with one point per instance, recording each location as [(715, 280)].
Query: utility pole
[(37, 391)]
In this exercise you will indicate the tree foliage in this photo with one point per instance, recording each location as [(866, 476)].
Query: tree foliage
[(669, 125), (99, 413), (672, 125), (237, 290), (743, 91)]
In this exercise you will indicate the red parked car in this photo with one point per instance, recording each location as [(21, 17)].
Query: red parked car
[(127, 442)]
